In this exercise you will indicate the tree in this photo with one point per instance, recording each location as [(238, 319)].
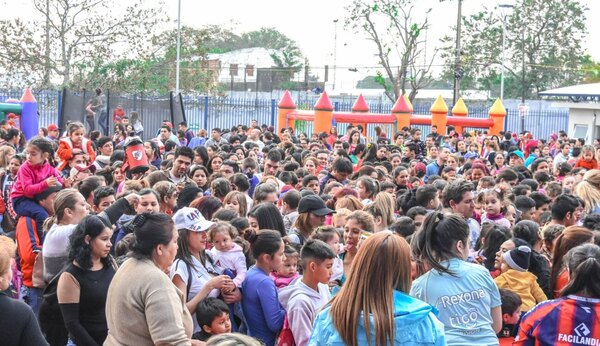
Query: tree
[(391, 26), (68, 33), (544, 35)]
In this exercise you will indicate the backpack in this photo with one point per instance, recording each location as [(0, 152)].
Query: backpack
[(286, 338)]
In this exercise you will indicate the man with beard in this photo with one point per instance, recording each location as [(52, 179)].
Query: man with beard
[(181, 164)]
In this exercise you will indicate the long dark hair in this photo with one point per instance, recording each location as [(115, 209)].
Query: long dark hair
[(81, 252), (495, 236), (436, 241), (584, 265), (45, 146), (268, 217)]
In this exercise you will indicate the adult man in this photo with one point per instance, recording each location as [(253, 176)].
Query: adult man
[(53, 132), (271, 165), (421, 150), (165, 134), (181, 163), (435, 168), (215, 138), (340, 170), (188, 133), (516, 158), (410, 152), (254, 137), (323, 158), (565, 210), (29, 241), (458, 197)]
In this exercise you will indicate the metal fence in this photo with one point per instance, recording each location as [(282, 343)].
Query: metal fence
[(223, 112)]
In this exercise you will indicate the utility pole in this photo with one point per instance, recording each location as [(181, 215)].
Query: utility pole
[(523, 78), (335, 21), (457, 66), (503, 49), (178, 46), (47, 48)]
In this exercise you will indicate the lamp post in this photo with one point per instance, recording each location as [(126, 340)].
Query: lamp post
[(503, 50), (457, 67), (335, 21), (178, 46)]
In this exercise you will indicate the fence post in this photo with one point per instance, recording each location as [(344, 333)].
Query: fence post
[(206, 112), (273, 106), (60, 96)]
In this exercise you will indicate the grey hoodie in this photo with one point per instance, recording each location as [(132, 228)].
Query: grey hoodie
[(302, 304)]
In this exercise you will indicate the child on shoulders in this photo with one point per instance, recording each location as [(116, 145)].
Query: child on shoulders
[(73, 144)]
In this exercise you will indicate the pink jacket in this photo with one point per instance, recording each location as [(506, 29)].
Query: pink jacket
[(234, 260), (31, 179)]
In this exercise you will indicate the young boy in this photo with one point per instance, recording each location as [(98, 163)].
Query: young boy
[(303, 298), (511, 313), (516, 277), (289, 208), (212, 315)]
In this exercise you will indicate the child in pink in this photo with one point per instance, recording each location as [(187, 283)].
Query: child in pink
[(288, 270)]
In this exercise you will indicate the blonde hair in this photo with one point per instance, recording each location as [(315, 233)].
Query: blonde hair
[(589, 189), (349, 202), (382, 206), (65, 199), (8, 249), (370, 289), (364, 219), (340, 213), (4, 154)]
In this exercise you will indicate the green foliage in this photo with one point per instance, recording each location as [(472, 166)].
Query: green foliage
[(547, 34)]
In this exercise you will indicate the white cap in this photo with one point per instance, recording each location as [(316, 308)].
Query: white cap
[(192, 219)]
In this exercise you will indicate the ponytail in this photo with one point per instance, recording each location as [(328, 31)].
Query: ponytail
[(436, 240), (583, 263)]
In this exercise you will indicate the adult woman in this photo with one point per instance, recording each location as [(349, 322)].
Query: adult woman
[(356, 223), (333, 136), (200, 156), (120, 134), (167, 196), (266, 216), (401, 176), (18, 324), (199, 175), (373, 307), (464, 293), (571, 237), (311, 214), (382, 210), (153, 153), (214, 164), (117, 175), (353, 140), (193, 271), (143, 306), (69, 209), (499, 163), (310, 165), (452, 161), (83, 285), (573, 316), (589, 190), (492, 237)]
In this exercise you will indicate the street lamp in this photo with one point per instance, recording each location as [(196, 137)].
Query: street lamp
[(335, 21), (178, 46), (458, 71), (503, 49)]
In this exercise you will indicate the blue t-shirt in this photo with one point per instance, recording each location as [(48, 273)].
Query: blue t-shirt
[(464, 301)]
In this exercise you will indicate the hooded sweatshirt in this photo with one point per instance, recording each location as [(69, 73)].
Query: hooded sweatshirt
[(525, 285), (31, 179), (302, 304), (416, 324), (234, 260)]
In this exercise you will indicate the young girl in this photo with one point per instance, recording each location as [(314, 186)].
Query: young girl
[(288, 270), (464, 293), (494, 207), (73, 144), (331, 236), (260, 302), (228, 256), (237, 202), (35, 176), (7, 180)]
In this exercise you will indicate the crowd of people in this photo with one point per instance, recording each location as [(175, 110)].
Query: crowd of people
[(251, 236)]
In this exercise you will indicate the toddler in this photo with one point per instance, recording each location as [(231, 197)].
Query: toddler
[(494, 207), (288, 271), (516, 277), (228, 256)]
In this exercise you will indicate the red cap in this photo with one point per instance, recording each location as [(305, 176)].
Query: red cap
[(53, 127)]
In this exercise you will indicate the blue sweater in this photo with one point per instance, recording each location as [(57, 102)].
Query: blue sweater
[(260, 303)]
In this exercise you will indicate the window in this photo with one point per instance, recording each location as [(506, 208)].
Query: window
[(580, 131)]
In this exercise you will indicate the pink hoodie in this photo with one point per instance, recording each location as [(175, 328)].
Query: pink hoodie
[(31, 179)]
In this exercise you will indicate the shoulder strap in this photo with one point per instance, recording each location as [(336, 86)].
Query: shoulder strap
[(189, 280)]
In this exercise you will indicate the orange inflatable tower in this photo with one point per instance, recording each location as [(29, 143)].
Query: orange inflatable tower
[(361, 106), (285, 105), (323, 114), (439, 114), (497, 114), (402, 110), (460, 110)]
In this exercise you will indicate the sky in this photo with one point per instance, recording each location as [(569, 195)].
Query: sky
[(311, 24)]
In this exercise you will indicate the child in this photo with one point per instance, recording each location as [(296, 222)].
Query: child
[(495, 207), (331, 237), (73, 144), (311, 182), (289, 209), (260, 302), (511, 314), (212, 315), (118, 114), (307, 295), (35, 175), (516, 278), (338, 220), (587, 159), (288, 271), (226, 253)]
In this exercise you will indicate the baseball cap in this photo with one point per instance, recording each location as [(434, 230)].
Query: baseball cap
[(53, 127), (518, 153), (192, 219), (313, 204), (470, 155)]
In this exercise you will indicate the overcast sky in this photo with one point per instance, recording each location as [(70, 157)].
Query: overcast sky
[(311, 24)]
